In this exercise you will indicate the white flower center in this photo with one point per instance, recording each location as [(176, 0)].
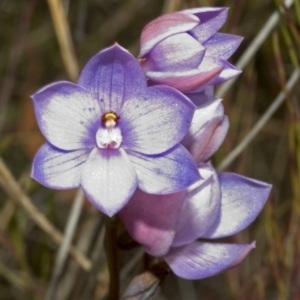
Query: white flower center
[(110, 136)]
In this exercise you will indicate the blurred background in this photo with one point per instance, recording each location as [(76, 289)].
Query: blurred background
[(39, 46)]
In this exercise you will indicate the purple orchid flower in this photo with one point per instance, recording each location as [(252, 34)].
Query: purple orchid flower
[(179, 227), (185, 51), (110, 133)]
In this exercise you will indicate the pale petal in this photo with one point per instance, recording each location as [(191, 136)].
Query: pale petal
[(211, 20), (200, 260), (67, 115), (166, 173), (108, 179), (208, 130), (165, 26), (155, 121), (228, 72), (242, 200), (179, 52), (188, 81), (200, 208), (58, 169), (113, 76), (151, 220), (204, 114), (222, 45)]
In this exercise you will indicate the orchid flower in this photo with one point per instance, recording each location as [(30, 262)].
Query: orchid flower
[(185, 51), (181, 228), (110, 133)]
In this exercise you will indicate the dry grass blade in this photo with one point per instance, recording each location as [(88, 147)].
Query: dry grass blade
[(260, 124), (64, 38), (11, 187), (254, 46), (63, 250)]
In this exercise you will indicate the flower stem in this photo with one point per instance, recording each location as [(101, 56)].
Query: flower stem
[(110, 246)]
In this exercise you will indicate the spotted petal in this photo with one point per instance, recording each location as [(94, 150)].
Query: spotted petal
[(108, 179), (113, 76), (166, 173), (242, 200), (156, 120), (200, 260), (57, 168), (67, 115), (145, 219)]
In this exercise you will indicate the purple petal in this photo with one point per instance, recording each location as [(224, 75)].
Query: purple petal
[(165, 26), (58, 169), (211, 20), (204, 97), (179, 52), (113, 76), (200, 260), (167, 173), (222, 45), (151, 220), (242, 200), (228, 72), (200, 208), (188, 81), (108, 179), (156, 120), (67, 115), (208, 130)]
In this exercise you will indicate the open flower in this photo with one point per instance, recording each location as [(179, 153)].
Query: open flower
[(178, 227), (185, 51), (110, 133)]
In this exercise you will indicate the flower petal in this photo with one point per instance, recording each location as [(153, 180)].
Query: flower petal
[(200, 260), (58, 169), (208, 130), (211, 20), (228, 72), (200, 208), (222, 45), (113, 76), (188, 81), (179, 52), (210, 112), (145, 219), (215, 134), (156, 120), (67, 115), (204, 97), (165, 26), (166, 173), (242, 200), (108, 179)]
